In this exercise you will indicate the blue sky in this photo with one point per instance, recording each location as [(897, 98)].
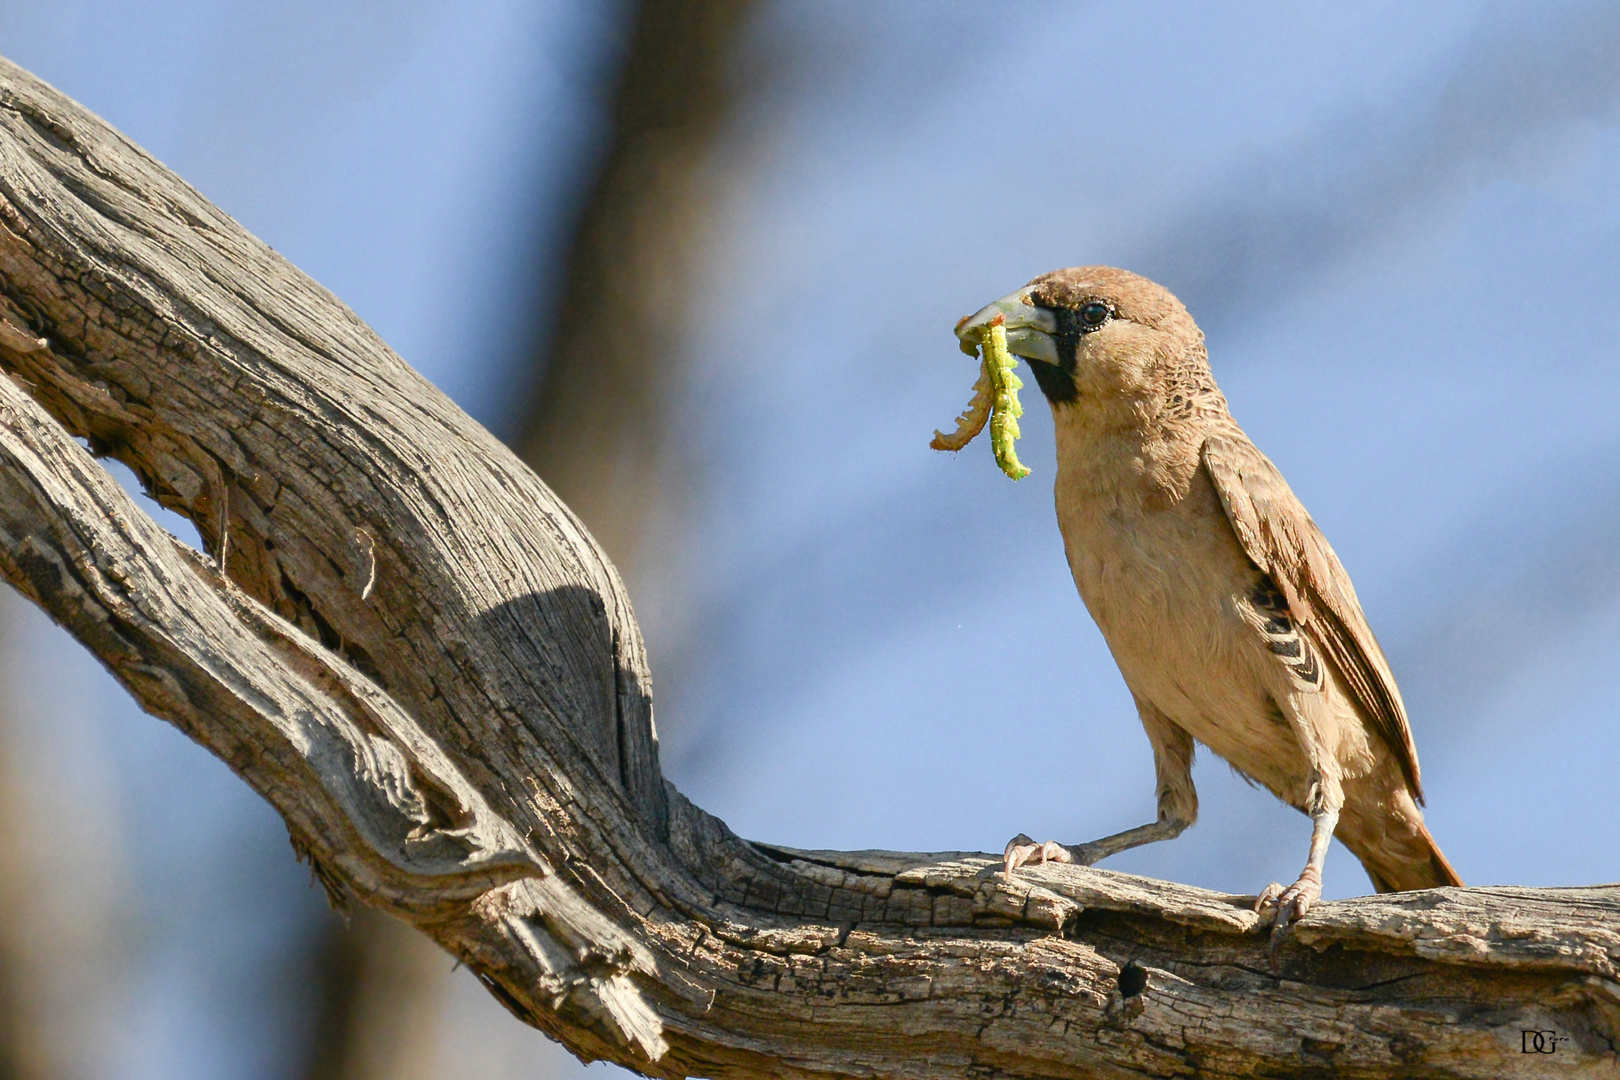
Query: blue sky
[(1399, 226)]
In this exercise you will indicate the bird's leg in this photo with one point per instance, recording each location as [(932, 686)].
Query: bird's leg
[(1293, 902), (1178, 804), (1021, 850)]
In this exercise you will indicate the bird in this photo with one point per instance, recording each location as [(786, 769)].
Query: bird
[(1231, 619)]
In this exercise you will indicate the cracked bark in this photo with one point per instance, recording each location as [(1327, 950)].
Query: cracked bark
[(406, 644)]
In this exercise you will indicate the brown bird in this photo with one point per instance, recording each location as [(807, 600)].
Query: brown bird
[(1229, 615)]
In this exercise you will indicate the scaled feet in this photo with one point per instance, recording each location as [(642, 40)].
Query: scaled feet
[(1022, 851), (1289, 905)]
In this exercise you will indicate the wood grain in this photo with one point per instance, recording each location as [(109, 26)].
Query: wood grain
[(406, 644)]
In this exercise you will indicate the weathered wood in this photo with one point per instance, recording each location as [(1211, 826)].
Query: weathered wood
[(414, 652)]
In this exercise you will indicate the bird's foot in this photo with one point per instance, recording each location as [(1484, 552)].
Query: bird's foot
[(1289, 905), (1022, 851)]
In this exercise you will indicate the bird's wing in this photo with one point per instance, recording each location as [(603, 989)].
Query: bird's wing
[(1281, 539)]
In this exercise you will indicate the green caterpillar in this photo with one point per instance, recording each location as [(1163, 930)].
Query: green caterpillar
[(995, 398)]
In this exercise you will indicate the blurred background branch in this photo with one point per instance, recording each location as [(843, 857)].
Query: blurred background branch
[(614, 344)]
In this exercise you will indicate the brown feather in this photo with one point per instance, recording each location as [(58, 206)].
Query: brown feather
[(1281, 539), (1232, 620)]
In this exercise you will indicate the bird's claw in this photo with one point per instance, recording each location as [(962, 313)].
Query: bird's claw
[(1021, 850), (1292, 903), (1289, 905)]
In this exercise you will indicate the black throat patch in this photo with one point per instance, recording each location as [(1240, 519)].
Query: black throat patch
[(1057, 380)]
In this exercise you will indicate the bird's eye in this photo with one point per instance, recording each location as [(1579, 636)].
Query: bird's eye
[(1093, 315)]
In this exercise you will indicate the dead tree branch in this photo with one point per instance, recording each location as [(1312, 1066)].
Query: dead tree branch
[(406, 644)]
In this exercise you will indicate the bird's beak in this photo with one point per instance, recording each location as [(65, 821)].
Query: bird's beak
[(1029, 328)]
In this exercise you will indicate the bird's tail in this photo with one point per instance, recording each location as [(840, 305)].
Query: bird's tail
[(1398, 855)]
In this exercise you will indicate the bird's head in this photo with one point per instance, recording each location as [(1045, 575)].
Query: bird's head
[(1094, 334)]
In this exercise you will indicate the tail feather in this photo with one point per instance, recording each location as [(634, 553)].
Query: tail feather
[(1399, 859)]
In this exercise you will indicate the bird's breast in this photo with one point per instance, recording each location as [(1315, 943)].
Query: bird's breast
[(1167, 583), (1145, 547)]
